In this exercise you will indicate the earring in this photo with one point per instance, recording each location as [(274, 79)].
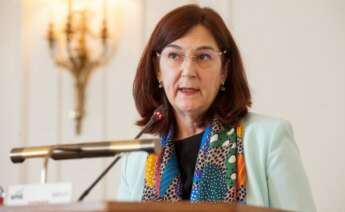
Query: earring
[(222, 87), (160, 84)]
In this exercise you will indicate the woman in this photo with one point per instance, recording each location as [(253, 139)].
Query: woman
[(213, 149)]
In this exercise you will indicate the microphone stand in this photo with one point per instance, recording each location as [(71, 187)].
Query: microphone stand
[(157, 115), (87, 191)]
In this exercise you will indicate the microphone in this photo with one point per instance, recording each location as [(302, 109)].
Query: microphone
[(156, 116), (91, 149), (84, 150)]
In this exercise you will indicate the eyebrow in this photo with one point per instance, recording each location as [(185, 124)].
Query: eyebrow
[(199, 48)]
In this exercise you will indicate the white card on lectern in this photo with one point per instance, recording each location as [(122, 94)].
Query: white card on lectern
[(39, 193)]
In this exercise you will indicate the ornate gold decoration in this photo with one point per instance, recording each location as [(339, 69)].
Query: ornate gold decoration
[(78, 57)]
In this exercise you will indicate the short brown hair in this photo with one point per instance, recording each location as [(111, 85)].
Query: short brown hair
[(230, 106)]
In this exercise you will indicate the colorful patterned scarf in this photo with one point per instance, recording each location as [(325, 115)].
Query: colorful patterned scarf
[(219, 170)]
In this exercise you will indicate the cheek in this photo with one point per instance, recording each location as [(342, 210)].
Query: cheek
[(166, 74), (169, 78), (211, 83), (211, 91)]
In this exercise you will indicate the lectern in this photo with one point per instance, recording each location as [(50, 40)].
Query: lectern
[(138, 207)]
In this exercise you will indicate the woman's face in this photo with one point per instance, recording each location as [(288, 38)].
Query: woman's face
[(190, 70)]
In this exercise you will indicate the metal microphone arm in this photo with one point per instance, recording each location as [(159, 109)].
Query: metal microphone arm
[(84, 150)]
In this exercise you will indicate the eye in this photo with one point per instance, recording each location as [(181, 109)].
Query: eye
[(203, 56), (173, 55)]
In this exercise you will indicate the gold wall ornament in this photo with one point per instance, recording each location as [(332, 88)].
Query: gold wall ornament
[(77, 43)]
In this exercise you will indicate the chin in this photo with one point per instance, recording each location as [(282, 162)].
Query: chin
[(190, 108)]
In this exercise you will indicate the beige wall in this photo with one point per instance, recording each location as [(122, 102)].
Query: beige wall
[(293, 52), (10, 79)]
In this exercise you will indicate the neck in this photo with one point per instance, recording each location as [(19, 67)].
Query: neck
[(186, 126)]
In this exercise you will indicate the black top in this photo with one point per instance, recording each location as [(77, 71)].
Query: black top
[(187, 152)]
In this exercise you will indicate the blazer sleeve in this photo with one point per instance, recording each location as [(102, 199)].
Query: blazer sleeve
[(123, 193), (288, 185), (132, 177)]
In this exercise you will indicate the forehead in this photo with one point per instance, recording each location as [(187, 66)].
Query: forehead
[(195, 38)]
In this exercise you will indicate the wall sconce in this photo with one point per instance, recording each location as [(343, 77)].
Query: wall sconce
[(80, 49)]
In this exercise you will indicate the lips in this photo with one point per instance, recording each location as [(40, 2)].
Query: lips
[(188, 91)]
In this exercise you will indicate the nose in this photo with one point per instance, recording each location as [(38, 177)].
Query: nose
[(188, 68)]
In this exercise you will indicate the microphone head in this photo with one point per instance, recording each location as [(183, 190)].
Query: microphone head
[(158, 113)]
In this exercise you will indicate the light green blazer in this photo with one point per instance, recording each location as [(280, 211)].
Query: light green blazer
[(275, 174)]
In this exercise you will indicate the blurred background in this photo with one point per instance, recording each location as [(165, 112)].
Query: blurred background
[(293, 53)]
